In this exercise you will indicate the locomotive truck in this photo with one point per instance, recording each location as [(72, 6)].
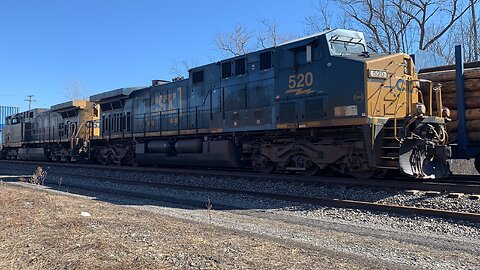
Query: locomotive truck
[(321, 101)]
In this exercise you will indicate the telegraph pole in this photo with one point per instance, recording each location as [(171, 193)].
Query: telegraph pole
[(30, 100)]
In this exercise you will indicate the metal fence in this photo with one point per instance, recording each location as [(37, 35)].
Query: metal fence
[(4, 112)]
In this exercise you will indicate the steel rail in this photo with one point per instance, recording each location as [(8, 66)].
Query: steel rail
[(338, 203), (461, 184)]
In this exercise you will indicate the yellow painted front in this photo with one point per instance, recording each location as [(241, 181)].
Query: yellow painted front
[(88, 113), (395, 95)]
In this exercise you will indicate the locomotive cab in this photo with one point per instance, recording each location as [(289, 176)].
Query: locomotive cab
[(403, 133), (368, 105), (400, 118)]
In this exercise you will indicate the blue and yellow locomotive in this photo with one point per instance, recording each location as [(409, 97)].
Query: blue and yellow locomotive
[(322, 101)]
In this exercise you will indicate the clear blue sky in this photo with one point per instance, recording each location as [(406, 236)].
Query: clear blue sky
[(110, 44)]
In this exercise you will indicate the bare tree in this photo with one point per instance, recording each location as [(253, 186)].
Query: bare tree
[(180, 69), (323, 19), (242, 40), (74, 90), (474, 24), (464, 32), (445, 47), (398, 25), (385, 25), (235, 43), (271, 35), (428, 15)]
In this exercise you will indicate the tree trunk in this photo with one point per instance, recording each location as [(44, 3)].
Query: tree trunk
[(449, 75), (472, 136), (470, 114), (472, 125), (470, 103), (450, 86), (474, 31)]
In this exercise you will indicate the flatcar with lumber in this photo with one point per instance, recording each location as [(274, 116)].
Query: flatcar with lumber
[(318, 102), (460, 88)]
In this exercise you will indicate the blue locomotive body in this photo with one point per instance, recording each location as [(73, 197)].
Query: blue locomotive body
[(318, 102), (304, 105)]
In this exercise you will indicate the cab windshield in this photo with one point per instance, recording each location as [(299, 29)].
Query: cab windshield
[(347, 45)]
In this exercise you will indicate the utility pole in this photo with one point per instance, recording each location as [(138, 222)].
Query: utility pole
[(30, 100)]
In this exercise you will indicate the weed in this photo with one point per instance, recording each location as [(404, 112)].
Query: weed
[(209, 209), (37, 178)]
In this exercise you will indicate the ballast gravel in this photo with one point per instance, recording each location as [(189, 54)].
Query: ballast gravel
[(333, 191), (409, 242)]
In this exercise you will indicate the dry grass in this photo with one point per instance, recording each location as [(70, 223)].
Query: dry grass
[(42, 230)]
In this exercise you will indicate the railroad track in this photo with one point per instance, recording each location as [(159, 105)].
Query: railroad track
[(338, 203), (459, 183)]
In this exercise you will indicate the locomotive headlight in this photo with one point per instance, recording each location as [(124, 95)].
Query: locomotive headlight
[(377, 74), (405, 67), (445, 112), (420, 109), (416, 84)]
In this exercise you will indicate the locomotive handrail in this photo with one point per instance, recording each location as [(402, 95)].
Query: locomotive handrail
[(438, 95), (395, 119), (430, 99)]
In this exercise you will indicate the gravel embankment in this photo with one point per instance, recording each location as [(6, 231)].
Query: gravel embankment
[(56, 231), (358, 193), (405, 242)]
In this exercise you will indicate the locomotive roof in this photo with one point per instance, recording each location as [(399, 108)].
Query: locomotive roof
[(35, 110), (302, 41), (362, 58), (69, 105), (115, 93), (312, 36)]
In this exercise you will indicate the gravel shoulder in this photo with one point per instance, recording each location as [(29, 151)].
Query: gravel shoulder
[(293, 236), (392, 196), (44, 230)]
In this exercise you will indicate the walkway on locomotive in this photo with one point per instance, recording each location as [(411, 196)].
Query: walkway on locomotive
[(290, 86), (59, 124)]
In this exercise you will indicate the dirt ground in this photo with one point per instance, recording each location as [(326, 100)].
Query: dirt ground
[(45, 230)]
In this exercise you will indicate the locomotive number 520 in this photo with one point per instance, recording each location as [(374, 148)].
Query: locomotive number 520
[(300, 80)]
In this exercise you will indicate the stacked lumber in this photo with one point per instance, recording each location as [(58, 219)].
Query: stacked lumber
[(449, 99)]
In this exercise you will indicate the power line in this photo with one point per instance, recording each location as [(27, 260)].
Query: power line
[(30, 100)]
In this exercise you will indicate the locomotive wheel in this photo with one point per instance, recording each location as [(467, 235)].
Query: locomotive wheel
[(313, 170), (263, 164), (267, 168), (304, 165), (477, 163), (134, 163), (366, 174), (103, 162)]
